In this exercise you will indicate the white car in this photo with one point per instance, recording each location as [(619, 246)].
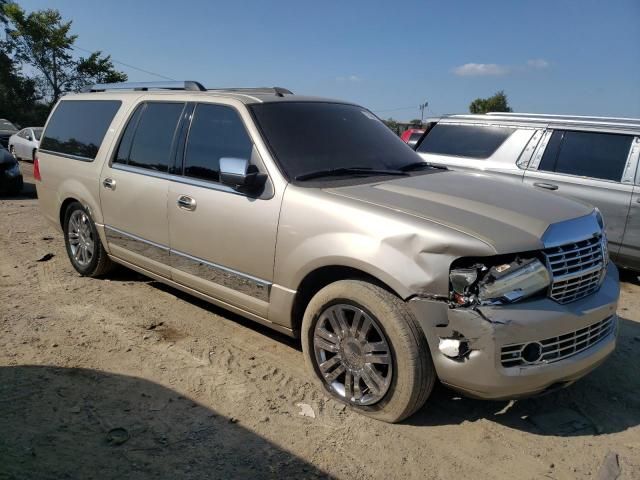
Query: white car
[(23, 145)]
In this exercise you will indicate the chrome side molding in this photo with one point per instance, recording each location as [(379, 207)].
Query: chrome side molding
[(198, 267)]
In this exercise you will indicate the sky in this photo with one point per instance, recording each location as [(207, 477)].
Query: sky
[(549, 56)]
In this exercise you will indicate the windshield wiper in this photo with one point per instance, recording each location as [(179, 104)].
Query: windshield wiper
[(347, 171), (420, 165)]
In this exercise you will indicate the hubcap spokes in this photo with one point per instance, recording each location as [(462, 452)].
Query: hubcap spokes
[(81, 238), (352, 354)]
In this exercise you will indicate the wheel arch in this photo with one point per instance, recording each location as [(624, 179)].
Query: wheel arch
[(320, 277)]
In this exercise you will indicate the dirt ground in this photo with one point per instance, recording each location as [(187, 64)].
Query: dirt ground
[(126, 378)]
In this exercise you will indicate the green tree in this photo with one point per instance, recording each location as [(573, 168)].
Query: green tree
[(393, 125), (43, 40), (495, 103)]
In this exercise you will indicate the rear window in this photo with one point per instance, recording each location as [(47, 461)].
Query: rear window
[(587, 154), (77, 127), (471, 141)]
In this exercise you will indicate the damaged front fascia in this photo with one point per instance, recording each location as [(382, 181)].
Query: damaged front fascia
[(469, 324)]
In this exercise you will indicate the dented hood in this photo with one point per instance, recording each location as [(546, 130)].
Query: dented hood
[(505, 215)]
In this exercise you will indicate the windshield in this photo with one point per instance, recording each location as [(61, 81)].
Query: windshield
[(6, 125), (308, 137), (37, 132)]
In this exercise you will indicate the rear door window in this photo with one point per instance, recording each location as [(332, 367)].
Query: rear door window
[(148, 139), (77, 127), (472, 141), (216, 131), (587, 154)]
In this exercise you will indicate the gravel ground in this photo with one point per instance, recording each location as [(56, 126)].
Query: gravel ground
[(126, 378)]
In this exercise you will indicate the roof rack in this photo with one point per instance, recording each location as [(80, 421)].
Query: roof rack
[(279, 91), (563, 117), (144, 86), (189, 85)]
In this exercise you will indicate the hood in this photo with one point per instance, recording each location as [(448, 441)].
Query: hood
[(507, 216)]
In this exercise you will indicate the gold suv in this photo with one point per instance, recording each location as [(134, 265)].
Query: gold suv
[(310, 216)]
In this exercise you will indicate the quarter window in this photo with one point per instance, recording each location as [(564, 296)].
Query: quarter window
[(587, 154), (77, 127), (216, 132), (471, 141), (148, 139)]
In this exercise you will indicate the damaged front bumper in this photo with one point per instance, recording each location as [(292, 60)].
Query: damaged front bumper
[(563, 342)]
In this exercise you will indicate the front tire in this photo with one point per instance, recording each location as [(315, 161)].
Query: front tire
[(84, 248), (364, 347)]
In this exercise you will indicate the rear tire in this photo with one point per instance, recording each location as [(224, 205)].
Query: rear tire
[(391, 364), (84, 248)]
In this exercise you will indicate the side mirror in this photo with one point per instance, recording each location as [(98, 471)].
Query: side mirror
[(240, 174), (29, 138)]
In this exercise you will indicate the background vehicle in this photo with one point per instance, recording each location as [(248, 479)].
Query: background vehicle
[(10, 175), (593, 159), (411, 136), (6, 130), (393, 273), (24, 144)]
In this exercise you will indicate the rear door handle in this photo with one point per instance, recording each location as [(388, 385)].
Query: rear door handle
[(187, 203), (548, 186), (109, 183)]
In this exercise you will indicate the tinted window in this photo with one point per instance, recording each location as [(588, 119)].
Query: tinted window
[(153, 138), (6, 125), (77, 127), (216, 131), (589, 154), (464, 140), (124, 149), (311, 136)]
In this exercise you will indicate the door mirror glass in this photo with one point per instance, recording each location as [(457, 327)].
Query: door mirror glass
[(29, 137), (240, 174)]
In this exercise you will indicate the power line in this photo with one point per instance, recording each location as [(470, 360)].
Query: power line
[(394, 109), (164, 77)]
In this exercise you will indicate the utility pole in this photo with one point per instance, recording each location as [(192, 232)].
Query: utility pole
[(422, 107)]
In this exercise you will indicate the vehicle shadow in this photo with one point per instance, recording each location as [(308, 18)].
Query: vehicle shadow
[(81, 423), (28, 192), (629, 276), (123, 274), (605, 401)]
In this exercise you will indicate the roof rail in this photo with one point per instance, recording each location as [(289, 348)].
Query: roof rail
[(562, 117), (279, 91), (144, 86)]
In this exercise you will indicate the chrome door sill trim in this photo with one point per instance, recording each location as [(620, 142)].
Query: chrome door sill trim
[(198, 267)]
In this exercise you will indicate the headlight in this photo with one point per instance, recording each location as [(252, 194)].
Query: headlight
[(514, 281), (503, 283)]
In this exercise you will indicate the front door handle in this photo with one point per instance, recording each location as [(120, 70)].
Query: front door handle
[(109, 183), (548, 186), (187, 203)]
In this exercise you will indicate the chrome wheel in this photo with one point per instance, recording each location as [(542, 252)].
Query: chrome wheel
[(352, 354), (81, 241)]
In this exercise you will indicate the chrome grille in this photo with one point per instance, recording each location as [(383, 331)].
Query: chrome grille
[(558, 348), (576, 268)]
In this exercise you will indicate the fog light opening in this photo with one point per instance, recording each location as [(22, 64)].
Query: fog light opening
[(532, 352), (454, 348)]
